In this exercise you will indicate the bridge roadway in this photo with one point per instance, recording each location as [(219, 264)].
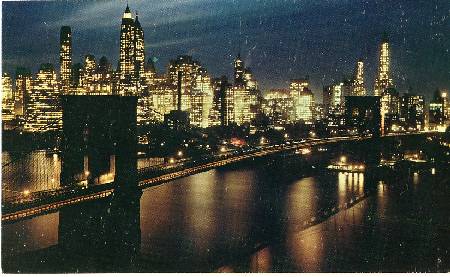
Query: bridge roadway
[(69, 196)]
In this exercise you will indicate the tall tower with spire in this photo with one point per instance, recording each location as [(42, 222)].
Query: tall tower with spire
[(358, 88), (132, 54), (65, 57), (383, 80)]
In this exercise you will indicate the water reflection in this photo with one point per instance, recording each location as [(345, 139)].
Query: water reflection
[(200, 210), (30, 235), (229, 219)]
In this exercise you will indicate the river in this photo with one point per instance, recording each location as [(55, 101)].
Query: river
[(249, 217)]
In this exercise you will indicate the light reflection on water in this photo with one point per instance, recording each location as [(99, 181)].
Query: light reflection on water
[(32, 234), (215, 210)]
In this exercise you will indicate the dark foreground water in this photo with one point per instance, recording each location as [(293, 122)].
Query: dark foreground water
[(257, 218)]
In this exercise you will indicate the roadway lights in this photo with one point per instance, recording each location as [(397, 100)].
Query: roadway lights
[(223, 149), (26, 192), (172, 160), (180, 153), (286, 135), (343, 159), (306, 151)]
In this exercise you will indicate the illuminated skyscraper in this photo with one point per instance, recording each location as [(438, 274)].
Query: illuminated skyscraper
[(334, 104), (412, 111), (103, 77), (44, 109), (390, 109), (245, 105), (190, 69), (201, 100), (437, 113), (358, 88), (22, 92), (239, 70), (383, 80), (65, 57), (221, 110), (278, 106), (87, 78), (7, 98), (303, 100), (139, 57), (132, 55)]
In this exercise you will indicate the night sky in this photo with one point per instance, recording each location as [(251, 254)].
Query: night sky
[(279, 40)]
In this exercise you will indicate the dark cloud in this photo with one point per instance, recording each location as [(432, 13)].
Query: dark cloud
[(279, 39)]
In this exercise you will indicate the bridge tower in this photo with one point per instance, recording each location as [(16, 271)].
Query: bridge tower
[(99, 140)]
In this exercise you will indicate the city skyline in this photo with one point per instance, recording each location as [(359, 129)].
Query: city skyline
[(256, 54)]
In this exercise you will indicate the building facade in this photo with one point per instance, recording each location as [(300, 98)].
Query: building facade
[(65, 58), (44, 110)]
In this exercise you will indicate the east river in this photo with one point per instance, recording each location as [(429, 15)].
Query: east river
[(248, 217)]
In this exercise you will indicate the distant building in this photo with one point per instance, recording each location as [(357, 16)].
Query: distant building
[(243, 101), (358, 88), (222, 105), (43, 110), (132, 55), (196, 89), (22, 92), (87, 78), (362, 114), (383, 80), (65, 58), (437, 111), (7, 98), (390, 110), (303, 100), (412, 112), (278, 106), (201, 100)]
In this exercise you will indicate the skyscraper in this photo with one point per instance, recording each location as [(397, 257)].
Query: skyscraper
[(132, 55), (278, 106), (44, 109), (238, 70), (87, 78), (412, 111), (303, 100), (139, 57), (383, 80), (65, 57), (22, 92), (7, 98), (358, 88)]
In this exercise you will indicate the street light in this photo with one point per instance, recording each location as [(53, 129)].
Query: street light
[(343, 159), (262, 140), (180, 153)]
